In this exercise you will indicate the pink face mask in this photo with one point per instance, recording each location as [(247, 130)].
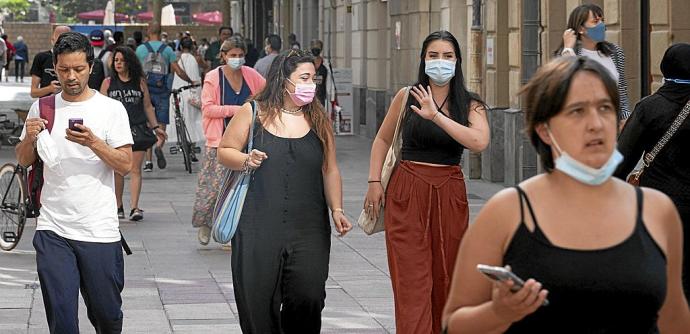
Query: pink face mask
[(304, 93)]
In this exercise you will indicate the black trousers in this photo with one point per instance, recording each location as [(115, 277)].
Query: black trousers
[(280, 281), (19, 69), (67, 266)]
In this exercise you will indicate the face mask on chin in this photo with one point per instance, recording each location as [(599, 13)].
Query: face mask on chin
[(582, 172)]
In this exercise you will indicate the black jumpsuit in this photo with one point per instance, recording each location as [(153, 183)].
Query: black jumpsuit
[(280, 252)]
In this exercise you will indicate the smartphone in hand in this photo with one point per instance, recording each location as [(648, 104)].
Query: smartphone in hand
[(500, 274), (73, 121)]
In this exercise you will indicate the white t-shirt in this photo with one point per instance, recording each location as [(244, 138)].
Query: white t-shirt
[(605, 61), (78, 196)]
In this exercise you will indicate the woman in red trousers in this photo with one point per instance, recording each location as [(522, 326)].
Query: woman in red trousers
[(426, 202)]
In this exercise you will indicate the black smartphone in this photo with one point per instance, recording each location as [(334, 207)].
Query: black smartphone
[(73, 121)]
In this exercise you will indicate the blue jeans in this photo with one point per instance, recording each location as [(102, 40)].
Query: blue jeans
[(67, 266), (161, 103)]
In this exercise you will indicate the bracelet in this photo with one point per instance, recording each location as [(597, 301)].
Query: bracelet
[(338, 210), (156, 127), (374, 181), (436, 114), (245, 165)]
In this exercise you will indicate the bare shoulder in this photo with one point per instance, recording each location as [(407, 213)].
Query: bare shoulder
[(500, 216), (660, 217), (477, 106)]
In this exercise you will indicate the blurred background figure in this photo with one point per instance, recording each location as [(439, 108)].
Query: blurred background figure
[(20, 59)]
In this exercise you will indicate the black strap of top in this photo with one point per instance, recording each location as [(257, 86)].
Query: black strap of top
[(537, 231), (640, 197)]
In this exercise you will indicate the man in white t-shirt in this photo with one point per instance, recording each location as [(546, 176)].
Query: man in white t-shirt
[(77, 238)]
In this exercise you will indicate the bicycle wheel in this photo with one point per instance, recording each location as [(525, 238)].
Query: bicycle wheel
[(183, 142), (12, 207)]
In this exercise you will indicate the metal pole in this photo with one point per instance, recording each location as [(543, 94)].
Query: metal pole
[(476, 70), (645, 85)]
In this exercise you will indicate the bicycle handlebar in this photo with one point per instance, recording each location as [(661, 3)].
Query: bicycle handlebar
[(177, 91)]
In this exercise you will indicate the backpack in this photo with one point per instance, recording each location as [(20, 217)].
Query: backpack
[(46, 107), (157, 69)]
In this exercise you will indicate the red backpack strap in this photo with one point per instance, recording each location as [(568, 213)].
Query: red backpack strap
[(46, 107)]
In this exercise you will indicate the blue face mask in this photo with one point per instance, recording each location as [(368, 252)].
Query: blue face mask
[(598, 32), (235, 63), (679, 81), (440, 71), (583, 173)]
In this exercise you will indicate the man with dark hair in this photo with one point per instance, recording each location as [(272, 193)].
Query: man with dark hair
[(321, 77), (272, 45), (43, 78), (77, 237), (159, 62), (138, 38), (211, 55)]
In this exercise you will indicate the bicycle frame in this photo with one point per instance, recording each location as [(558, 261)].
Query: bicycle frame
[(18, 170)]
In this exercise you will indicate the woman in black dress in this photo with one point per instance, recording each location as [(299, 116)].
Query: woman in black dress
[(281, 248)]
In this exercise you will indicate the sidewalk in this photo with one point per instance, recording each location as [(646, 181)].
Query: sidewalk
[(175, 285)]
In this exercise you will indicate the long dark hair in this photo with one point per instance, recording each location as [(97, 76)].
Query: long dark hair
[(132, 64), (271, 98), (577, 20), (459, 98)]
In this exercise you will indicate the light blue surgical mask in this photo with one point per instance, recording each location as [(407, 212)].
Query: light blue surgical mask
[(235, 63), (678, 81), (440, 71), (598, 32), (583, 173)]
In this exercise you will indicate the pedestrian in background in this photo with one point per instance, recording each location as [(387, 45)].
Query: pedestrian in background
[(20, 58), (211, 55), (4, 52), (292, 41), (281, 249), (225, 90), (321, 78), (252, 53), (586, 36), (190, 99), (138, 37), (589, 242), (44, 81), (77, 238), (669, 172), (426, 201), (9, 56), (159, 62), (272, 46), (127, 84)]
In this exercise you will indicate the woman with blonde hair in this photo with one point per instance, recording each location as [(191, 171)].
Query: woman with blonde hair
[(225, 90)]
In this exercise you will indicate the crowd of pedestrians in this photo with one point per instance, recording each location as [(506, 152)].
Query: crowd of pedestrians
[(585, 241)]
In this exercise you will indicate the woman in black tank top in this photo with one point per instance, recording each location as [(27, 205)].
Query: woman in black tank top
[(607, 255), (126, 84)]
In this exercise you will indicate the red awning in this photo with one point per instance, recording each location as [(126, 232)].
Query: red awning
[(211, 18), (99, 14), (148, 16)]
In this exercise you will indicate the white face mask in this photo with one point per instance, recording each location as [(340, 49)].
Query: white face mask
[(48, 151), (235, 63), (582, 172)]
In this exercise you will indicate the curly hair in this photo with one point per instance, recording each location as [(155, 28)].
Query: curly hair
[(132, 63)]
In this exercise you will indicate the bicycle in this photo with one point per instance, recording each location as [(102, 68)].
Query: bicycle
[(184, 143), (13, 208)]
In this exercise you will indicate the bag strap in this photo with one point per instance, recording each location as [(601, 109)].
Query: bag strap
[(149, 47), (403, 110), (221, 85), (649, 157), (46, 109), (250, 142)]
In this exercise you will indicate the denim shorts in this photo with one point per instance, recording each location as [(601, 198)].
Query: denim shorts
[(161, 103)]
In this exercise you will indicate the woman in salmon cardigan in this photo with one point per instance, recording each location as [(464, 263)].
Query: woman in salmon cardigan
[(225, 90)]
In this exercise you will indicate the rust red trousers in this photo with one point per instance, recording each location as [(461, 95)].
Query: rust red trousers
[(425, 218)]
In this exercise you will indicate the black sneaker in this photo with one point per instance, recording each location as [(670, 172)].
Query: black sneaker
[(148, 166), (136, 215), (193, 157), (160, 158), (120, 213)]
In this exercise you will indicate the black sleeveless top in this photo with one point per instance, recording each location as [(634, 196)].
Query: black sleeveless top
[(131, 96), (424, 141), (619, 289), (286, 194)]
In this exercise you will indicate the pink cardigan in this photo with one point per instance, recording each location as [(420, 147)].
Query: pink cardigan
[(213, 113)]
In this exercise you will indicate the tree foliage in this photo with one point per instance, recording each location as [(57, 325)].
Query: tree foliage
[(17, 9)]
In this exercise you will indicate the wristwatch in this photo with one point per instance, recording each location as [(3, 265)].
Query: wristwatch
[(156, 127)]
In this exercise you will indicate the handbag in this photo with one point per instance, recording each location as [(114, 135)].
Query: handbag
[(142, 136), (230, 200), (634, 177), (368, 223)]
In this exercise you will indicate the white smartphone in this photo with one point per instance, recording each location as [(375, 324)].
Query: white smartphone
[(501, 274)]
